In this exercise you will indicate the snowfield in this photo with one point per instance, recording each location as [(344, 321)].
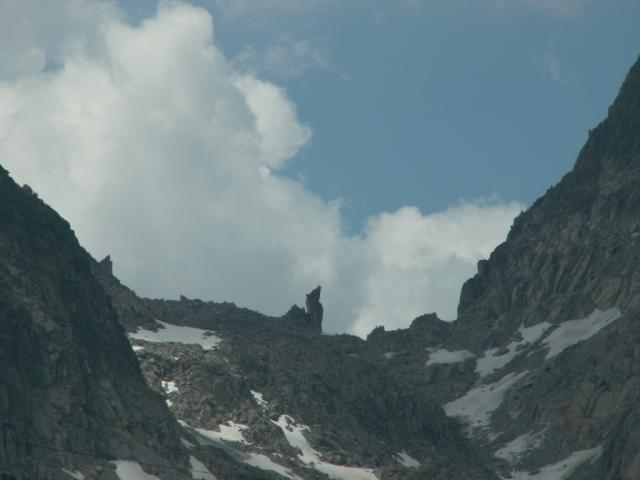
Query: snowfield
[(265, 463), (169, 387), (228, 432), (406, 460), (295, 436), (259, 399), (572, 332), (476, 406), (445, 356), (232, 432), (178, 334), (492, 361), (560, 470), (518, 447), (126, 470)]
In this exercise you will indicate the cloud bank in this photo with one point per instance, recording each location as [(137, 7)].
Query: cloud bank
[(165, 154)]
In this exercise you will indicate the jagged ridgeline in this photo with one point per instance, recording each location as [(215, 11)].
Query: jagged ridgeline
[(275, 394)]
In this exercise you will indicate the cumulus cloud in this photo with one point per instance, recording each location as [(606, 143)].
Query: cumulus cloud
[(416, 263), (36, 35), (165, 154)]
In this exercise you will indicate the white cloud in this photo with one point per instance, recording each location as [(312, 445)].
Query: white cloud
[(416, 264), (33, 34), (550, 66), (285, 58), (163, 153)]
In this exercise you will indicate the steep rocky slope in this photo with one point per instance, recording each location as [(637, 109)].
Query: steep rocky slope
[(70, 381), (542, 366), (541, 370), (274, 393)]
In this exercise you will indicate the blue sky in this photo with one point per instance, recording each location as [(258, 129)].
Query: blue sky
[(423, 104), (249, 150)]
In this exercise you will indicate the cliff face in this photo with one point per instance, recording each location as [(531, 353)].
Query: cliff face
[(575, 249), (70, 381), (542, 366)]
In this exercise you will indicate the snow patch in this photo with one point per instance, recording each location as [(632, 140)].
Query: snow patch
[(199, 470), (516, 448), (406, 460), (259, 399), (445, 356), (476, 406), (228, 432), (265, 463), (574, 331), (492, 361), (560, 470), (295, 436), (169, 387), (254, 459), (186, 443), (126, 470), (138, 348), (77, 475), (178, 334)]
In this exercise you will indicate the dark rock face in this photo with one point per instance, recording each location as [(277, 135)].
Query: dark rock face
[(70, 381), (107, 265), (315, 310), (574, 249), (550, 322)]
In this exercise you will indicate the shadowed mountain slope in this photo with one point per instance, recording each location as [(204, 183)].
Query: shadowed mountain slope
[(70, 381)]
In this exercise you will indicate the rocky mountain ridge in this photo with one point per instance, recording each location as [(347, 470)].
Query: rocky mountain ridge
[(262, 377), (537, 379), (540, 369)]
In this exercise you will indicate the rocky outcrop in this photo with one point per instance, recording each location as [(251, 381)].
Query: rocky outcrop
[(106, 264), (314, 310)]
